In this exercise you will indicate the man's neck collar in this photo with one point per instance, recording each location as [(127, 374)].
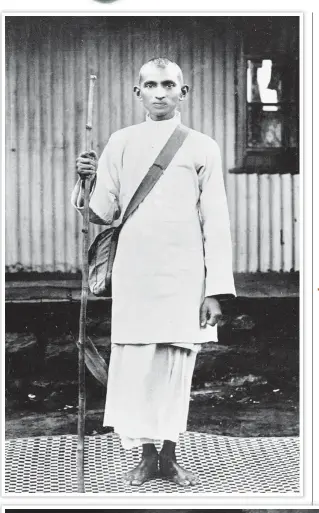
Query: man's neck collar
[(176, 119)]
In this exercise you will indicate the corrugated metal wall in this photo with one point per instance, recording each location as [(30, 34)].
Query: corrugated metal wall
[(48, 62), (265, 222)]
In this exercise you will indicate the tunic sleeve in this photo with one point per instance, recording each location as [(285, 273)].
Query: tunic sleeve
[(104, 195), (215, 225)]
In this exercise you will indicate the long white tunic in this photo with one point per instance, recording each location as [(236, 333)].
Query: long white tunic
[(176, 248)]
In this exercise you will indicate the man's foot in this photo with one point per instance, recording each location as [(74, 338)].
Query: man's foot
[(170, 469), (147, 469)]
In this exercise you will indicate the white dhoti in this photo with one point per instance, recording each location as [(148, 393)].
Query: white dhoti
[(148, 392)]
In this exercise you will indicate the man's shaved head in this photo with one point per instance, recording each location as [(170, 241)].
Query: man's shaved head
[(161, 88), (161, 62)]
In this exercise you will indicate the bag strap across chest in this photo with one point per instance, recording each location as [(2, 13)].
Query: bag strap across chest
[(154, 173)]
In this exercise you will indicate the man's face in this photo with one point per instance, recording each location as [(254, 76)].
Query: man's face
[(161, 91)]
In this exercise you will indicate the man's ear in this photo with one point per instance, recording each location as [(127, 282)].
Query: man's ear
[(137, 91), (184, 92)]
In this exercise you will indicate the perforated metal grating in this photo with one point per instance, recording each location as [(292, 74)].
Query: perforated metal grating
[(223, 464)]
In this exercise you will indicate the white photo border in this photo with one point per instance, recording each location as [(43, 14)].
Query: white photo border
[(224, 500)]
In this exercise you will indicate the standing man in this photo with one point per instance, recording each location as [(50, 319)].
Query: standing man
[(173, 262)]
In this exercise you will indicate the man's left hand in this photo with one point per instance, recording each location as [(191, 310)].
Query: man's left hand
[(210, 312)]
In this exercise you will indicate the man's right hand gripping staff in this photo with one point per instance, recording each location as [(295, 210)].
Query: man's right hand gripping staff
[(86, 166)]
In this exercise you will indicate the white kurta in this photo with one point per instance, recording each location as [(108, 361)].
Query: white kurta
[(180, 229)]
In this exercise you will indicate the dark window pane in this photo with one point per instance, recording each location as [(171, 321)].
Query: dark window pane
[(264, 128)]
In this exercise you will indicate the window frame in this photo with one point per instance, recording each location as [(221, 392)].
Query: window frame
[(272, 160)]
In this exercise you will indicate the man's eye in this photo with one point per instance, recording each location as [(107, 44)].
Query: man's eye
[(148, 86), (170, 86)]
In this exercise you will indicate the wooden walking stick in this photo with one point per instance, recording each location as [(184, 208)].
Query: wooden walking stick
[(84, 296)]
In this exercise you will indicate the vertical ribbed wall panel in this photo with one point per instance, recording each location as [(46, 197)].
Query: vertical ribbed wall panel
[(34, 152), (252, 208), (287, 223), (71, 239), (25, 179), (47, 70), (47, 234), (264, 253), (11, 161), (275, 222), (296, 239)]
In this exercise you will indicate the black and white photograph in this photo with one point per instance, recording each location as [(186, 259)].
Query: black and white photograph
[(153, 234)]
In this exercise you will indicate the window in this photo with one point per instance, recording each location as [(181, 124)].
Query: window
[(270, 144), (264, 108)]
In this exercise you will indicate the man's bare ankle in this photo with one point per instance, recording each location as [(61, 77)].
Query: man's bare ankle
[(149, 451), (168, 451)]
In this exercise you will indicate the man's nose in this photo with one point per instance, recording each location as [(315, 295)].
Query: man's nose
[(160, 94)]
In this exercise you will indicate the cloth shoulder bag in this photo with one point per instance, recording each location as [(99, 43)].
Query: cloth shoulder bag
[(103, 249)]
